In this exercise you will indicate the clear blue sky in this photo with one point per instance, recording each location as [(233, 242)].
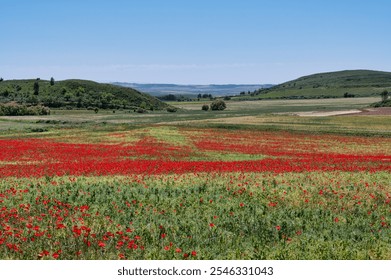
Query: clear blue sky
[(191, 42)]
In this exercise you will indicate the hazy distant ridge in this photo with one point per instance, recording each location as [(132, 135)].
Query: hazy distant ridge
[(216, 90)]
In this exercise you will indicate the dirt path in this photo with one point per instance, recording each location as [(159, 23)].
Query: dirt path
[(327, 113), (386, 111)]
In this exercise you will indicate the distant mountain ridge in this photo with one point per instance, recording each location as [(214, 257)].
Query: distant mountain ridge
[(178, 89)]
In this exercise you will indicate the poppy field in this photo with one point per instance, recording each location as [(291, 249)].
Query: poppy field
[(172, 192)]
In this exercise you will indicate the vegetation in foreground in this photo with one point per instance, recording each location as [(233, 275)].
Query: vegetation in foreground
[(312, 215)]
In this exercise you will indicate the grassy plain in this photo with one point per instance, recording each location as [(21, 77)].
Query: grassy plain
[(325, 195), (260, 115)]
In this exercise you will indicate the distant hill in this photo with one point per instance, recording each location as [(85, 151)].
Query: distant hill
[(349, 83), (76, 94), (194, 90)]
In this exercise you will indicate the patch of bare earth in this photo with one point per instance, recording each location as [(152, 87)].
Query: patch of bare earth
[(327, 113), (383, 111)]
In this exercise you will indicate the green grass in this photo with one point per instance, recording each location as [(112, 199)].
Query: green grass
[(262, 115), (310, 215), (232, 216)]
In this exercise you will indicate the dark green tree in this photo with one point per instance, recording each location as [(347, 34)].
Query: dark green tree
[(36, 87), (384, 95), (52, 81)]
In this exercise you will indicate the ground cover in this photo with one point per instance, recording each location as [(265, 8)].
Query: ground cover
[(174, 192)]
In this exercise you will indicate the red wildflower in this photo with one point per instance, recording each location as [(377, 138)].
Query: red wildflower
[(60, 226), (45, 253), (121, 256), (278, 227), (56, 255)]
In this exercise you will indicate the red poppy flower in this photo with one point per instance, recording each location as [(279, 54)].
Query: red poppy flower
[(60, 226)]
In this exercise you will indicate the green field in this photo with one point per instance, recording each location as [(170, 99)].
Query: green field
[(82, 185), (261, 115)]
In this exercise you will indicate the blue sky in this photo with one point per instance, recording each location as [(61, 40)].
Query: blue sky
[(191, 42)]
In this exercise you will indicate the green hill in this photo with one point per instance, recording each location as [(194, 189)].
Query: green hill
[(349, 83), (76, 94)]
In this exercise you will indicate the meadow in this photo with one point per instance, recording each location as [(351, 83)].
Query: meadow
[(251, 182)]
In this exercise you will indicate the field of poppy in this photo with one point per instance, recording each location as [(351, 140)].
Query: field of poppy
[(172, 192)]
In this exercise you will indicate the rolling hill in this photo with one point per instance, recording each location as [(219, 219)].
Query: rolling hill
[(76, 94), (349, 83)]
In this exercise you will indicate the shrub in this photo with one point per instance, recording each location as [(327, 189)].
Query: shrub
[(141, 110), (205, 107), (218, 105), (171, 109), (13, 109), (384, 95)]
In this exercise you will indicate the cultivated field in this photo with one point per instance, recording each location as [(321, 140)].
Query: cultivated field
[(255, 181)]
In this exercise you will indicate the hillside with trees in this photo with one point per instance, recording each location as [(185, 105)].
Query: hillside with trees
[(75, 94), (348, 84)]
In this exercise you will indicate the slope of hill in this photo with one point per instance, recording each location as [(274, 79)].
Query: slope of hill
[(349, 83), (76, 94)]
